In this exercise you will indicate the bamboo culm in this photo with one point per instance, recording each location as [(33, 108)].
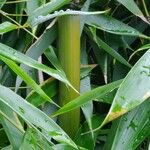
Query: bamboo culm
[(69, 56)]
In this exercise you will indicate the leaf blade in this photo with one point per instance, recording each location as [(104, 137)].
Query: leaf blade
[(86, 97)]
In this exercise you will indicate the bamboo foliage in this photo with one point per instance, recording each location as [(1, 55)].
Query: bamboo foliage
[(111, 83)]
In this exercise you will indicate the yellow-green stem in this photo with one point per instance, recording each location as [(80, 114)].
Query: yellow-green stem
[(69, 56)]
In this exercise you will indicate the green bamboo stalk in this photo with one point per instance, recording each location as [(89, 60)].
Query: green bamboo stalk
[(69, 56)]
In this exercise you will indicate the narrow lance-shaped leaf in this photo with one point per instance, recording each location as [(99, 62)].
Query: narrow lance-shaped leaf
[(144, 47), (85, 85), (147, 46), (112, 25), (34, 140), (132, 6), (88, 96), (50, 84), (107, 48), (41, 18), (6, 27), (33, 5), (2, 2), (84, 8), (34, 117), (39, 46), (51, 56), (26, 78), (134, 89), (21, 58), (133, 126), (11, 125), (19, 10), (47, 8)]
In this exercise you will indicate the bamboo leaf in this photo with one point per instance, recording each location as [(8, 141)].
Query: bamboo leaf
[(34, 140), (132, 6), (14, 132), (134, 89), (111, 25), (49, 87), (39, 46), (34, 117), (21, 58), (41, 18), (133, 125), (147, 46), (51, 56), (84, 8), (87, 141), (47, 8), (108, 49), (27, 79), (19, 10), (86, 86), (87, 96), (144, 47), (64, 147), (33, 5), (2, 2), (6, 27)]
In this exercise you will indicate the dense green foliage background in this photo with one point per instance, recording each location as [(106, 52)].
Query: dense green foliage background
[(115, 75)]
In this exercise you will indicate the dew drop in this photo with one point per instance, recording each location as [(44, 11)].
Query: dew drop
[(133, 126), (61, 11), (136, 140), (68, 10), (56, 12), (40, 17), (142, 137)]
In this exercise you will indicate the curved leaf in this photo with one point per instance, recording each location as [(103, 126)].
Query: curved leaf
[(21, 58), (14, 132), (87, 96), (132, 6), (6, 27), (41, 18), (112, 25), (39, 46), (107, 48), (134, 89), (33, 140), (2, 2), (47, 8), (133, 126), (27, 79), (49, 87), (34, 117), (33, 5)]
